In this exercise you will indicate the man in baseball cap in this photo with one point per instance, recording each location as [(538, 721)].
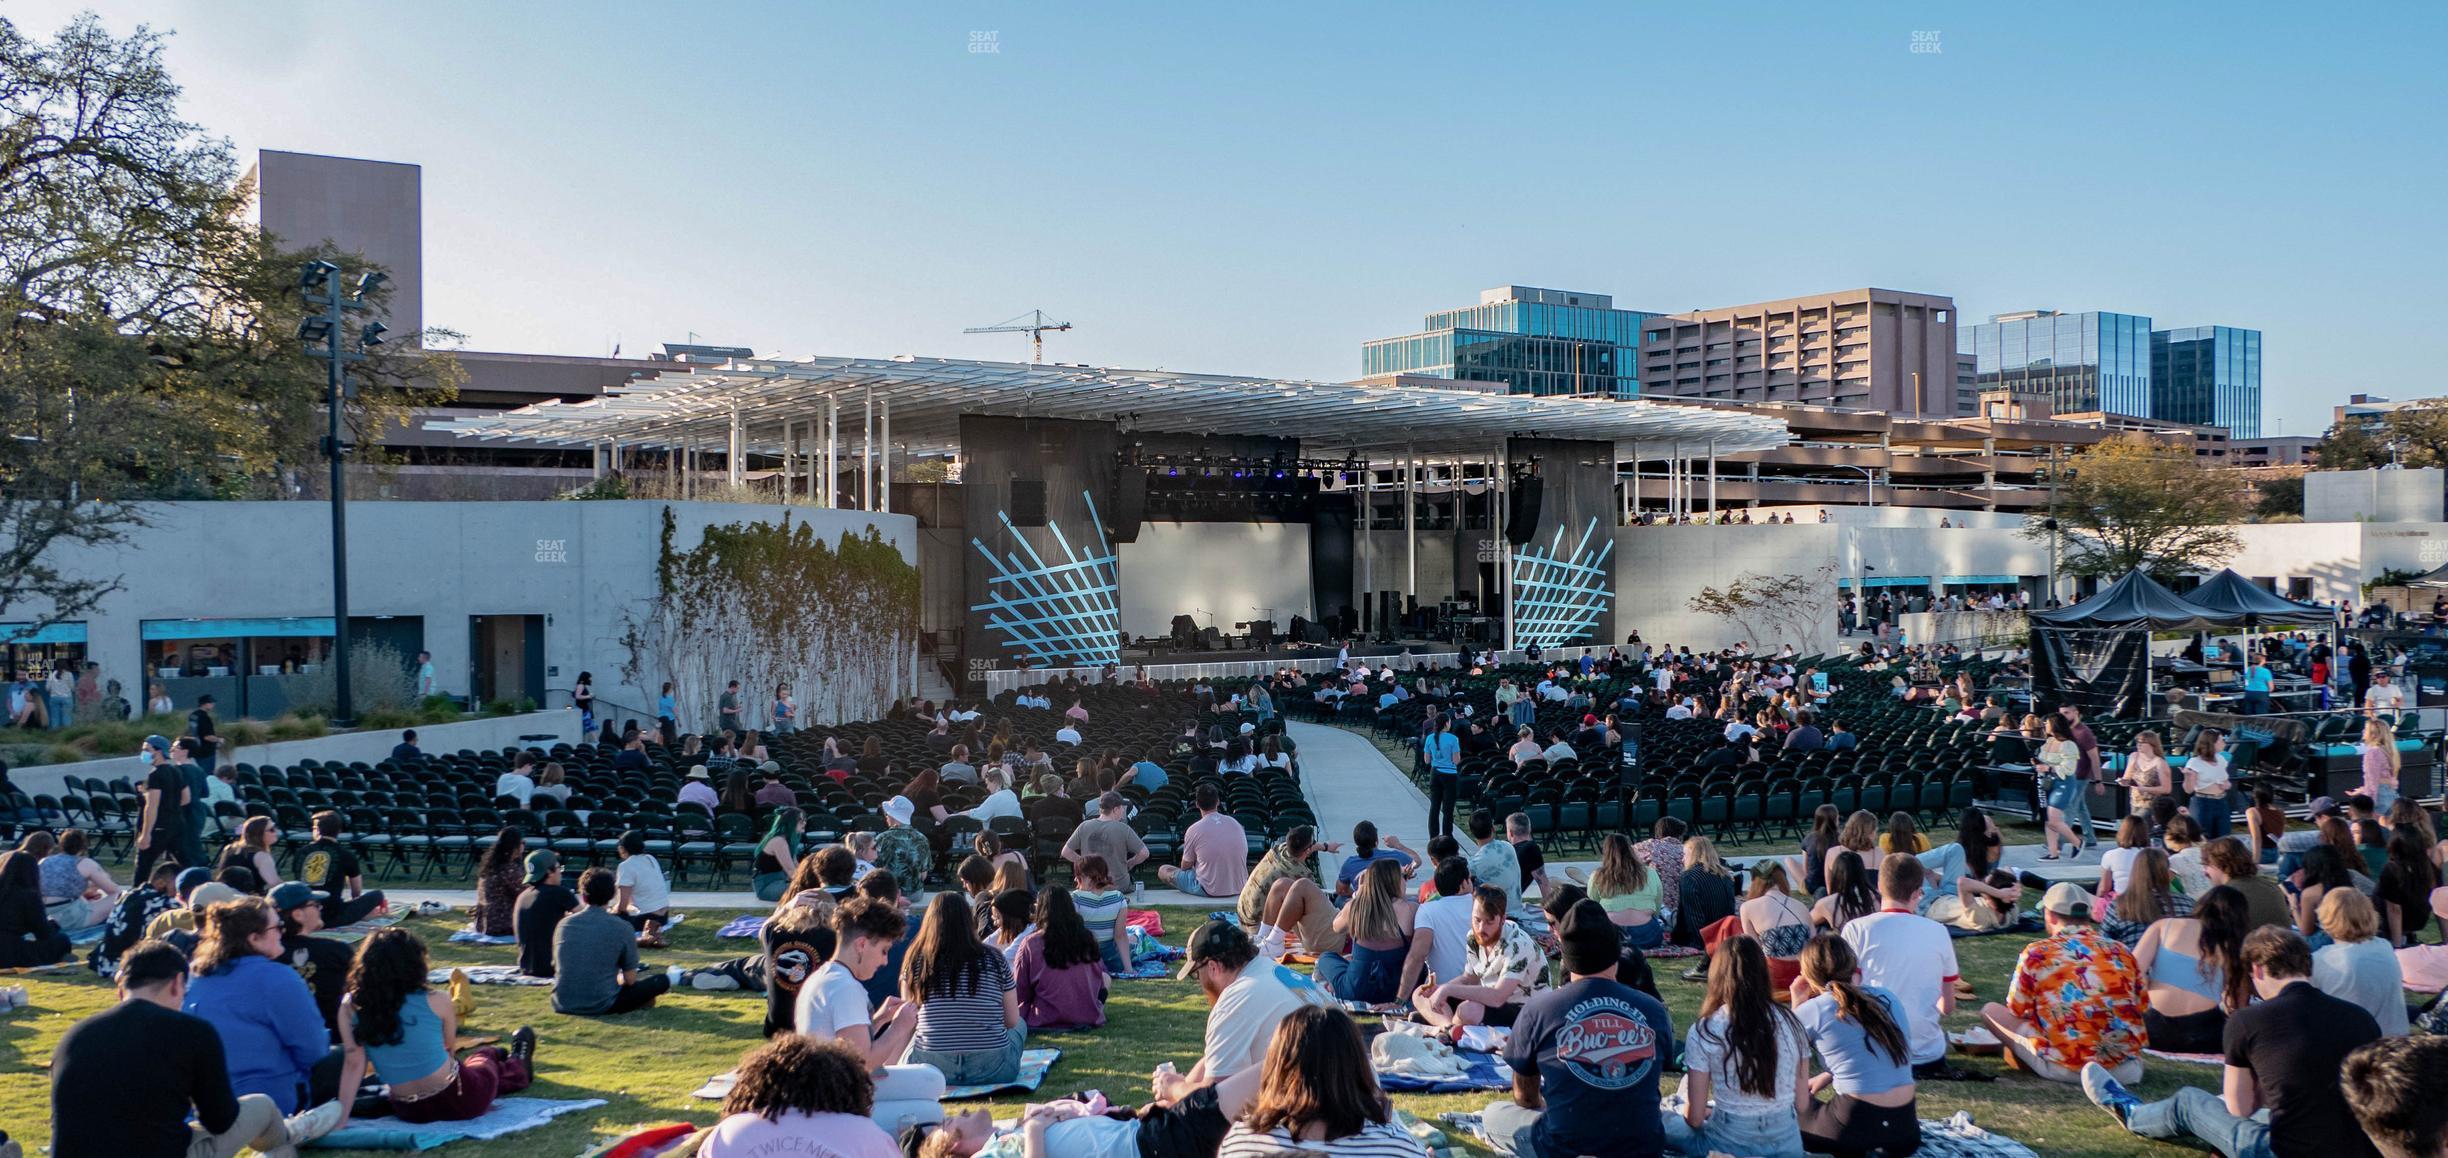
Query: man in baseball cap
[(1250, 996), (323, 962), (538, 912), (2077, 997)]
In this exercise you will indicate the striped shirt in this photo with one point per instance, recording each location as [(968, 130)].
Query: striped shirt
[(1101, 912), (952, 1020), (1381, 1140)]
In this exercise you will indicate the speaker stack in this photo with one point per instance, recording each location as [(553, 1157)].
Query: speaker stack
[(1521, 519)]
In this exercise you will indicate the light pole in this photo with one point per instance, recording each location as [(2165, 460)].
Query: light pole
[(325, 336)]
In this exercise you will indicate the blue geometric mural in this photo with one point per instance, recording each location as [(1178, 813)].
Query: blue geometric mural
[(1064, 613), (1558, 598)]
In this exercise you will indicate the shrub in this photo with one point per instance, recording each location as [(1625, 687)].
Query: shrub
[(293, 726), (386, 720), (380, 678)]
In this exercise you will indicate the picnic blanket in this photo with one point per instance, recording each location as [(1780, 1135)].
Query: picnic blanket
[(1954, 1137), (1148, 920), (2028, 924), (469, 936), (89, 935), (508, 1116), (1151, 959), (358, 931), (1481, 1071), (2191, 1059), (1033, 1066), (742, 927), (487, 975), (1409, 1058)]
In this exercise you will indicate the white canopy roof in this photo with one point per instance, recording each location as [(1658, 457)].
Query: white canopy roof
[(928, 395)]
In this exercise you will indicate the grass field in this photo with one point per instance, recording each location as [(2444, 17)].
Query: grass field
[(646, 1063)]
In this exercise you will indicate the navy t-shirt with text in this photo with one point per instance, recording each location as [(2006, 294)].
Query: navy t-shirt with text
[(1597, 1047)]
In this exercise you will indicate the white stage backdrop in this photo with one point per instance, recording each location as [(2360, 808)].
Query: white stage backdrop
[(1220, 573)]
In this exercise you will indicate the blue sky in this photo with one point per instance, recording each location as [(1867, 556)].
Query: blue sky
[(1257, 189)]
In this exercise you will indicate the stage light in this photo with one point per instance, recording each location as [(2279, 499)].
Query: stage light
[(1173, 472)]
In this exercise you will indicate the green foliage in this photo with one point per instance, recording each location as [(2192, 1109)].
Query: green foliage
[(771, 604), (501, 707), (611, 486), (2351, 445), (148, 343), (2391, 577), (2132, 502), (2279, 497), (296, 727)]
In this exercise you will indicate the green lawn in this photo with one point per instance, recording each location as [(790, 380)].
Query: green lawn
[(646, 1063)]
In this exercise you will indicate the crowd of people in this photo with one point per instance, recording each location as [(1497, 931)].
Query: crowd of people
[(1827, 969)]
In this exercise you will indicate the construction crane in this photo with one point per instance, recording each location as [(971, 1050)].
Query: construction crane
[(1035, 326)]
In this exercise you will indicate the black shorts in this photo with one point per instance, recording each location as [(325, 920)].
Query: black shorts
[(1193, 1127), (1500, 1016), (2203, 1032)]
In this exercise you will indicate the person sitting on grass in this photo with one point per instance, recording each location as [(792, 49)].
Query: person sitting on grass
[(1180, 1119), (1377, 924), (77, 891), (2149, 896), (1058, 971), (1214, 851), (2284, 1054), (1317, 1094), (262, 1009), (800, 1095), (2194, 969), (323, 962), (1291, 900), (328, 864), (2393, 1086), (833, 1006), (2356, 965), (136, 909), (252, 851), (1248, 996), (124, 1082), (538, 912), (1858, 1032), (408, 1030), (1102, 907), (1501, 971), (777, 853), (2225, 861), (643, 895), (2077, 998), (595, 957), (1910, 956), (969, 1023), (1745, 1060), (1015, 916), (1585, 1056)]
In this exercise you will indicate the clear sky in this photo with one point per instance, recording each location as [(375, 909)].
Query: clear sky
[(1251, 188)]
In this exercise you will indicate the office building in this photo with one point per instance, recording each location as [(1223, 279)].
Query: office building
[(2208, 375), (372, 209), (1863, 349), (1532, 341), (2089, 362)]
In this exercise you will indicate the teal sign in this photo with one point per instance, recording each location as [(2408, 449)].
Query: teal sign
[(236, 628)]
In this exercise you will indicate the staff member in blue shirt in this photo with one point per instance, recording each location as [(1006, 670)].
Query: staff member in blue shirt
[(1444, 755)]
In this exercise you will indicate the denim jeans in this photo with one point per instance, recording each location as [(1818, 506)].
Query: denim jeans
[(2213, 814), (1946, 860), (1508, 1125), (907, 1095), (2203, 1115), (975, 1067), (1769, 1134), (62, 711)]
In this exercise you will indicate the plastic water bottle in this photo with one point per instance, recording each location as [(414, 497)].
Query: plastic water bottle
[(676, 973)]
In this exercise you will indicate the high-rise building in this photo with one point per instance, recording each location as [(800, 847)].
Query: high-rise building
[(1864, 349), (1532, 341), (370, 208), (2090, 362), (2209, 375)]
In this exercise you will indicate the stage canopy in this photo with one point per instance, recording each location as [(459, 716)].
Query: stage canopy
[(2432, 579), (2233, 599), (753, 400), (2136, 600)]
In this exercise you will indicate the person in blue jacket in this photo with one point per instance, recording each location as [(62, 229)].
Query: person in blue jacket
[(266, 1015)]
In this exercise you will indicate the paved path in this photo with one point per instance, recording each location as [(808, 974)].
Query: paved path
[(1347, 781)]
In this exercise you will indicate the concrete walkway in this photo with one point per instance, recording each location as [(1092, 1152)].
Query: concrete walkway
[(1347, 780)]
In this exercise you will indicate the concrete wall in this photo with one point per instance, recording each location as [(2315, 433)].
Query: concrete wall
[(2379, 496), (538, 729), (582, 565)]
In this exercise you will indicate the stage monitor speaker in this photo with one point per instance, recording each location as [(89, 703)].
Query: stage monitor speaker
[(1028, 502), (1130, 504), (1521, 520)]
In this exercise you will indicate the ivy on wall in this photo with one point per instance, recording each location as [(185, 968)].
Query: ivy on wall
[(770, 604)]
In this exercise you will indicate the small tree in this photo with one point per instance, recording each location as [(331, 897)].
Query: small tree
[(2350, 445), (2132, 502), (1769, 609)]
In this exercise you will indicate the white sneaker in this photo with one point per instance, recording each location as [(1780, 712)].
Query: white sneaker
[(712, 981), (307, 1125)]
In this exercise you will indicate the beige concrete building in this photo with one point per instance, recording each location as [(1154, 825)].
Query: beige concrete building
[(1863, 349)]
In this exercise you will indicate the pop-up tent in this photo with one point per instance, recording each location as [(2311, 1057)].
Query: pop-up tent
[(2237, 600), (2096, 654), (2437, 578)]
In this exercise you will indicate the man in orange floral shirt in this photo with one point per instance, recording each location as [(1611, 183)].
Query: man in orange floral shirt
[(2076, 997)]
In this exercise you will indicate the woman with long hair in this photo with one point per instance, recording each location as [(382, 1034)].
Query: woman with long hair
[(777, 854), (2054, 764), (270, 1028), (2206, 783), (1628, 891), (871, 755), (252, 851), (969, 1023), (2146, 775), (1980, 840), (1859, 837), (2381, 764), (1378, 920), (925, 793), (1318, 1094), (500, 873), (1705, 891), (2116, 864), (405, 1027), (2194, 967), (800, 1095), (582, 697), (2406, 881), (2150, 894), (1058, 973), (1780, 921), (28, 936), (1746, 1064), (77, 892), (1858, 1031), (1826, 825), (1852, 892), (1902, 835), (738, 793), (2356, 965), (2323, 872), (550, 784)]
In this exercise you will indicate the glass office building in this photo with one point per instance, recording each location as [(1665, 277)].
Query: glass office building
[(2208, 375), (1533, 341), (2093, 361)]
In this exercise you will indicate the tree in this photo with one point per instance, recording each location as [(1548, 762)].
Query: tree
[(2350, 445), (2133, 502), (147, 330), (2279, 497), (2418, 431), (1770, 609)]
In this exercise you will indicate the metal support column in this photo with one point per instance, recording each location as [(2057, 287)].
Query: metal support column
[(1368, 558), (735, 453), (1632, 496), (1504, 544), (1410, 524), (867, 457), (1712, 495), (884, 461), (832, 452)]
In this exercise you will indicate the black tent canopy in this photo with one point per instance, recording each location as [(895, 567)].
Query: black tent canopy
[(2096, 654), (2234, 599), (2135, 601)]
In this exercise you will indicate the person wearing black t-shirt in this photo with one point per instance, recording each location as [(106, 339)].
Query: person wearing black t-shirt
[(162, 827), (123, 1082), (324, 963), (2284, 1054), (207, 736), (332, 868), (539, 910)]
